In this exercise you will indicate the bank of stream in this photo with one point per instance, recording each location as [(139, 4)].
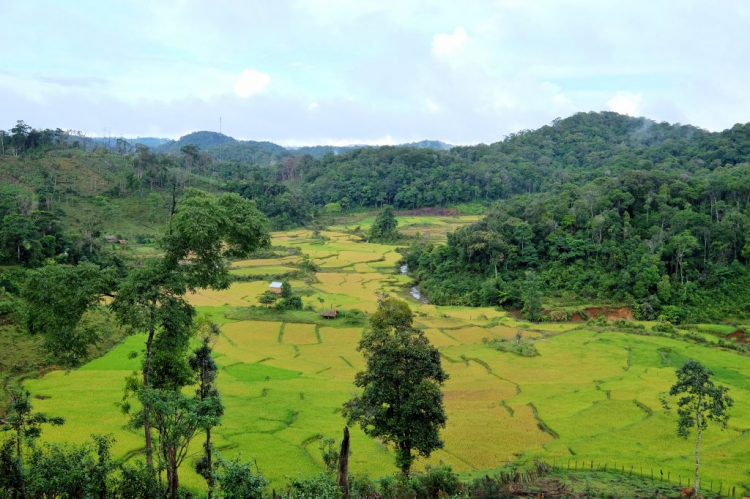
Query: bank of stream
[(414, 291)]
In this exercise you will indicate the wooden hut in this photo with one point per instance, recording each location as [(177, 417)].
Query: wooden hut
[(329, 314)]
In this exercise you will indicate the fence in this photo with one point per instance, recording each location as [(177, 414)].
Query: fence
[(719, 488)]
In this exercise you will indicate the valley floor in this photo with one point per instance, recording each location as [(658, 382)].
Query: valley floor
[(590, 395)]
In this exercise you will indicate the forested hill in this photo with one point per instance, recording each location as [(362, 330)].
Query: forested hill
[(293, 189), (609, 209)]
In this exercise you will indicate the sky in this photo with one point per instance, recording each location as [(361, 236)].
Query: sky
[(368, 72)]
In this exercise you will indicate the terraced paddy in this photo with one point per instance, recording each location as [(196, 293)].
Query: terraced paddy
[(588, 395)]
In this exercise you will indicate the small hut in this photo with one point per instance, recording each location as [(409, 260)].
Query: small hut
[(275, 287), (111, 239), (329, 314)]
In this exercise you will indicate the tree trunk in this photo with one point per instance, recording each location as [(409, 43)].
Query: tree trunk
[(174, 481), (210, 464), (697, 456), (405, 455), (146, 371), (343, 473)]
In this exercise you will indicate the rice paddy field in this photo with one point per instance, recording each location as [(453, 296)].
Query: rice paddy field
[(588, 395)]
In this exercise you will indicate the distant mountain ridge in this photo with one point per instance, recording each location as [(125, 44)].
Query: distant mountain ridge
[(224, 147)]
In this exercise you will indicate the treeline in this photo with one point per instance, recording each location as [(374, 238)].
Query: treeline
[(294, 189), (672, 241)]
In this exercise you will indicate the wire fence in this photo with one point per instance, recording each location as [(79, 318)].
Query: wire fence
[(716, 487)]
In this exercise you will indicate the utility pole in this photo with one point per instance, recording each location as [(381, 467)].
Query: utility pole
[(219, 124), (2, 140)]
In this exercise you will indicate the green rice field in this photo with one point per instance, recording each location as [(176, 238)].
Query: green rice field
[(588, 395)]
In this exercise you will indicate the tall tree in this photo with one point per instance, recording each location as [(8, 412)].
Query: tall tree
[(206, 370), (531, 295), (700, 401), (203, 232), (18, 233), (401, 402), (384, 227)]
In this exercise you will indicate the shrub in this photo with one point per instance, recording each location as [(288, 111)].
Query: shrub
[(559, 315), (321, 486), (523, 349), (435, 481), (665, 327), (139, 481), (362, 487), (329, 453), (237, 480), (268, 297), (292, 303)]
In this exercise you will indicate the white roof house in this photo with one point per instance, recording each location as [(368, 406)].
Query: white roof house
[(275, 287)]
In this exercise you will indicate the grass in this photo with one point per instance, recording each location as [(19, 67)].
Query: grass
[(588, 395)]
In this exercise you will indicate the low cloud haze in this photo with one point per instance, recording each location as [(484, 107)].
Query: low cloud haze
[(336, 71)]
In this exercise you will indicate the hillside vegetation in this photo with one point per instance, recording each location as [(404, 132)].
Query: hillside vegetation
[(100, 240)]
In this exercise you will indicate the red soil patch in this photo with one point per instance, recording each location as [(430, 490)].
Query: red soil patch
[(428, 212), (611, 314), (738, 335)]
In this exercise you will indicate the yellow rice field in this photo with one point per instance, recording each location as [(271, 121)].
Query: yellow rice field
[(587, 395)]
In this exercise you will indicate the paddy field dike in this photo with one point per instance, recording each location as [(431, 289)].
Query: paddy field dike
[(591, 394)]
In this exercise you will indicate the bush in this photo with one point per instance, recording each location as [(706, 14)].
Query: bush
[(522, 348), (329, 453), (435, 481), (559, 316), (355, 316), (362, 487), (664, 327), (599, 321), (487, 488), (322, 486), (139, 481), (293, 303), (237, 480), (268, 297)]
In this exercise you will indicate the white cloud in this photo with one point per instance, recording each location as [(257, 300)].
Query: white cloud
[(444, 44), (313, 107), (626, 103), (251, 82), (431, 106)]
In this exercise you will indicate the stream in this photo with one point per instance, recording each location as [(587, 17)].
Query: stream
[(415, 293)]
